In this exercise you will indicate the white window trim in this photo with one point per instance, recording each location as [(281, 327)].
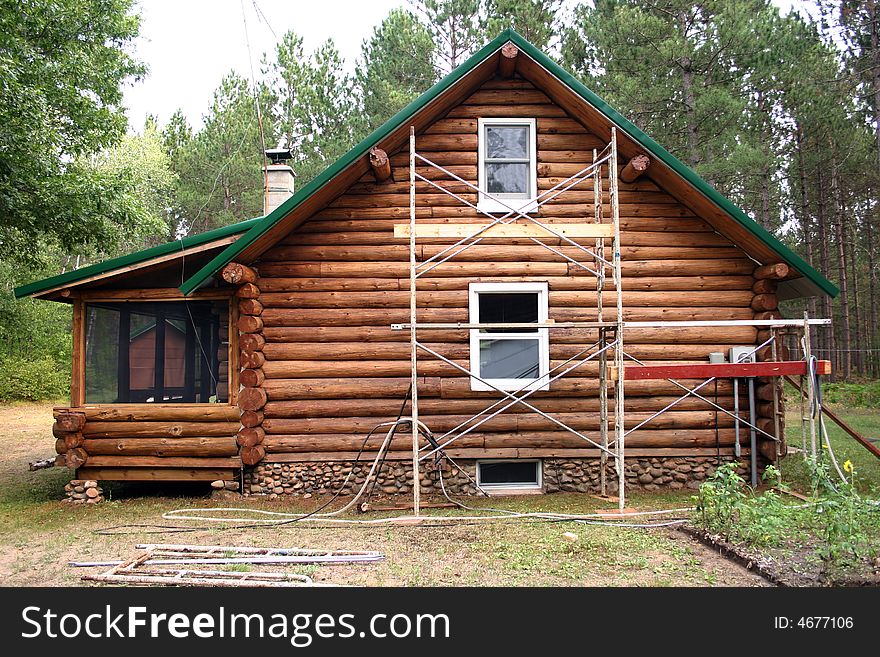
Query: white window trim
[(491, 205), (541, 335), (512, 487)]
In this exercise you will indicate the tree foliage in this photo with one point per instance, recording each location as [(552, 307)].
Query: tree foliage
[(397, 64), (62, 65)]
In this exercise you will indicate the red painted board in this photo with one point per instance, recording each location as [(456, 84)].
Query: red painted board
[(722, 370)]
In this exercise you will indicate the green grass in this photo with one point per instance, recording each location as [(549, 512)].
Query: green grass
[(845, 448)]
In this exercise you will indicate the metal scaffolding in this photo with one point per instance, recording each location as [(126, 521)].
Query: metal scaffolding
[(519, 223)]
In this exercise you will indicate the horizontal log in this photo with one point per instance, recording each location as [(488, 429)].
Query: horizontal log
[(768, 314), (764, 286), (762, 302), (504, 422), (251, 399), (546, 125), (251, 359), (203, 446), (250, 324), (775, 271), (69, 421), (103, 429), (326, 444), (252, 455), (520, 234), (251, 342), (379, 164), (352, 351), (364, 387), (554, 283), (250, 436), (74, 439), (491, 268), (507, 60), (251, 418), (75, 458), (459, 299), (767, 449), (522, 230), (490, 253), (635, 168), (663, 336), (252, 378), (389, 408), (164, 461), (250, 307), (60, 446), (157, 474), (309, 317), (237, 274), (382, 220), (508, 96), (137, 412), (512, 453), (248, 291), (478, 111)]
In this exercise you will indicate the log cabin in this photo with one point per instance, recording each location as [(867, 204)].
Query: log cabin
[(282, 325)]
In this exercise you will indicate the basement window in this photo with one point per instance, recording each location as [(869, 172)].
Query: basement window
[(509, 358), (509, 475), (507, 164), (156, 352)]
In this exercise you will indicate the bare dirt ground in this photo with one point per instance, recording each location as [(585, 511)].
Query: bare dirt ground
[(40, 533)]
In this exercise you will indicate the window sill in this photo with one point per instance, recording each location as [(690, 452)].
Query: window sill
[(520, 205), (508, 385), (500, 491)]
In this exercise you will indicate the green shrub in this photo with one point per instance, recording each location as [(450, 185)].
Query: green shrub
[(25, 379)]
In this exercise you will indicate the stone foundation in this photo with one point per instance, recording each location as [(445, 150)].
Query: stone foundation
[(84, 491), (395, 477)]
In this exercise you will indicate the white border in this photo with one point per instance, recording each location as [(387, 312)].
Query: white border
[(522, 204), (542, 336)]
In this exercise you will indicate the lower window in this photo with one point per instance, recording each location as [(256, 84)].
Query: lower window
[(515, 473), (157, 352), (509, 358)]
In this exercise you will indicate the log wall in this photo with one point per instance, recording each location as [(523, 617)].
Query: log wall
[(149, 442), (332, 368)]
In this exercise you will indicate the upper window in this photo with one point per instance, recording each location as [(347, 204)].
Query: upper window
[(164, 352), (509, 358), (507, 168)]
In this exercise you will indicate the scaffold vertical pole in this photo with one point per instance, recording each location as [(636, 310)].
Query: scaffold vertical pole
[(811, 391), (603, 357), (619, 433), (414, 389)]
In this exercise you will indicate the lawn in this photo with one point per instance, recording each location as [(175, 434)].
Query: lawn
[(40, 533)]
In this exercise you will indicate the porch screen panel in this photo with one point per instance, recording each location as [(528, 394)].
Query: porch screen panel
[(165, 352)]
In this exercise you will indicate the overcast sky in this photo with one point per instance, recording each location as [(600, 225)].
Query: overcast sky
[(189, 45)]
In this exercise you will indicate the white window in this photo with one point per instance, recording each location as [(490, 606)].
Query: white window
[(507, 168), (509, 358), (513, 475)]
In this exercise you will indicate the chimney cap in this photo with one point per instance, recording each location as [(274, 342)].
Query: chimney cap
[(279, 155)]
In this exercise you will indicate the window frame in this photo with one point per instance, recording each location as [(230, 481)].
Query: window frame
[(512, 487), (541, 335), (78, 360), (522, 204)]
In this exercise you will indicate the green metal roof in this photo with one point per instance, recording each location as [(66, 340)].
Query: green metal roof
[(260, 228), (135, 258)]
